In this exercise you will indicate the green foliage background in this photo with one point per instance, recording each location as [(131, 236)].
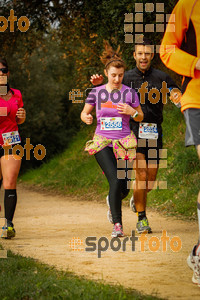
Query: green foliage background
[(58, 53)]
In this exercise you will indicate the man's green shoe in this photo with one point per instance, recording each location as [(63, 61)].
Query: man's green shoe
[(143, 226)]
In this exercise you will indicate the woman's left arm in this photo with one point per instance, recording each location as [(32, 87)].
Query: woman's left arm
[(126, 109), (20, 115)]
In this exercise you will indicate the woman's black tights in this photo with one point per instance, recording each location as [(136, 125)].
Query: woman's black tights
[(118, 187)]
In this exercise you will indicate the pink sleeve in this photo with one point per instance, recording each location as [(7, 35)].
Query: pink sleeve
[(18, 94), (21, 104)]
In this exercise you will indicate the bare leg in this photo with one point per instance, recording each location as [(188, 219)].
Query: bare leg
[(10, 169), (152, 173), (198, 150), (1, 177), (145, 179), (140, 192), (198, 197), (0, 170)]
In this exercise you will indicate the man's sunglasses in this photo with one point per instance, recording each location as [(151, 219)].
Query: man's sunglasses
[(4, 70)]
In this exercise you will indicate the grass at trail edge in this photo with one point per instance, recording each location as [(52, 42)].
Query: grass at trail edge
[(75, 172), (25, 279)]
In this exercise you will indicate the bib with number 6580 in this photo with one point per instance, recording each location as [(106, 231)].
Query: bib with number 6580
[(10, 138), (111, 123), (148, 131)]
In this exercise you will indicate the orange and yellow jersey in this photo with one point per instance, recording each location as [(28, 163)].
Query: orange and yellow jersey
[(180, 49)]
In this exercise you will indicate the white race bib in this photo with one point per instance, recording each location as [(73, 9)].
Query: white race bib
[(148, 131), (111, 123), (10, 138)]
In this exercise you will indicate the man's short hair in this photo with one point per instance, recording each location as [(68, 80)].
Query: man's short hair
[(145, 42)]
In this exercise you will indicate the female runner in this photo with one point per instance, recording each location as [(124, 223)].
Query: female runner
[(113, 141), (12, 113)]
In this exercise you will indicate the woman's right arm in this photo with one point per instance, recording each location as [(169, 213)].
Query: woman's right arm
[(96, 79), (86, 117)]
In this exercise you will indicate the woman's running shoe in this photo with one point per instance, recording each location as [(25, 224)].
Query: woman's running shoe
[(132, 205), (117, 230), (109, 215), (8, 231)]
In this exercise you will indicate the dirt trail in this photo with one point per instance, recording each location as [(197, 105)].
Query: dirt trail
[(46, 224)]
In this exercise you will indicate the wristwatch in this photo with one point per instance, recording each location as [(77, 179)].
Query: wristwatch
[(134, 115)]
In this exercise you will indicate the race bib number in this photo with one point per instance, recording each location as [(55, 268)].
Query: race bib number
[(111, 123), (148, 131), (10, 138)]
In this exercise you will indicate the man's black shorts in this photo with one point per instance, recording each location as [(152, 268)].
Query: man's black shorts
[(149, 147), (192, 120)]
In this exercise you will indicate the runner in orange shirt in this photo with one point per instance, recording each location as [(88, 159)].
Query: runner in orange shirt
[(180, 51)]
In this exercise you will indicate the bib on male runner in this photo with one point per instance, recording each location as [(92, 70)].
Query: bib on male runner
[(112, 123), (10, 138), (148, 131)]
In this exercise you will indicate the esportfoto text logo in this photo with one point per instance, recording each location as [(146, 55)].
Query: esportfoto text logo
[(154, 243)]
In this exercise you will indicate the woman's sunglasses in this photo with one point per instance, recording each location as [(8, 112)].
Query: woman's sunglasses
[(4, 70)]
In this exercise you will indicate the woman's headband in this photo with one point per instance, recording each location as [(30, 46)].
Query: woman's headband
[(112, 61)]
